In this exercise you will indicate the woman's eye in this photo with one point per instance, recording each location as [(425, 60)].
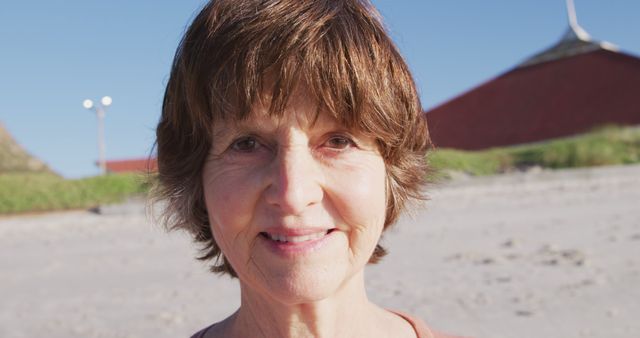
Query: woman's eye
[(339, 142), (245, 144)]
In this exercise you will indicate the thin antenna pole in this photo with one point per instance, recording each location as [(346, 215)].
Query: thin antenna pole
[(571, 12), (574, 29)]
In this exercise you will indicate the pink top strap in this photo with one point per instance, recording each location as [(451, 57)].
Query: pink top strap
[(421, 328)]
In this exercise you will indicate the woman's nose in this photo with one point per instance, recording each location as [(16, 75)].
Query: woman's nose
[(295, 181)]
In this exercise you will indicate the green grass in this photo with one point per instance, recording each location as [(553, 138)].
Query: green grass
[(604, 146), (34, 192)]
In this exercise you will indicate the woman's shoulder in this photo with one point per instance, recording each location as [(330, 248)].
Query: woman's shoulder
[(206, 332), (421, 328), (201, 333)]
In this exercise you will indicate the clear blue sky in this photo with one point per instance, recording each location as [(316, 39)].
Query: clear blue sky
[(54, 54)]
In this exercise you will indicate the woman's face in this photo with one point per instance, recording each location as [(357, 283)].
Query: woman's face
[(296, 205)]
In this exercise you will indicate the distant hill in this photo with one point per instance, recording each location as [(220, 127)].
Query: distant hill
[(13, 158)]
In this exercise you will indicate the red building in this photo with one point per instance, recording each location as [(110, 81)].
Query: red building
[(142, 165), (574, 86)]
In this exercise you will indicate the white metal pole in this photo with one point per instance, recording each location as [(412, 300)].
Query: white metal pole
[(101, 145), (571, 12), (573, 22)]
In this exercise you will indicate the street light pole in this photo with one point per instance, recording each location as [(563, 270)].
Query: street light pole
[(101, 110)]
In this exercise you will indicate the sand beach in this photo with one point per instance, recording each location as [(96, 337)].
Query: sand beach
[(532, 254)]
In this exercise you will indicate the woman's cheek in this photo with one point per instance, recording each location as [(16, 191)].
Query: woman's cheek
[(358, 191), (230, 195)]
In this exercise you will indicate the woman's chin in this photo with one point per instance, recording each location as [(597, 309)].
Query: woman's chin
[(301, 290), (300, 274), (299, 285)]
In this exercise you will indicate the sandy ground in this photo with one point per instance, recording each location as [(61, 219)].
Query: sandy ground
[(540, 254)]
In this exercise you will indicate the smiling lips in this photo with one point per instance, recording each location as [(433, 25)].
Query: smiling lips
[(296, 241)]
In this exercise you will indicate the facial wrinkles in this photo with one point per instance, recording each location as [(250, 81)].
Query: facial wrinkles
[(297, 142), (359, 229), (217, 173), (332, 173), (220, 168)]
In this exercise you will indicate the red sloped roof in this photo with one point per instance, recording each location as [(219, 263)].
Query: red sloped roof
[(546, 100), (143, 165)]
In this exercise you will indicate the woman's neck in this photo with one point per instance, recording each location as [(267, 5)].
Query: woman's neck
[(347, 313)]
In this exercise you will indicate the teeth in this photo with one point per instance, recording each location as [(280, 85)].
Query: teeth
[(296, 239)]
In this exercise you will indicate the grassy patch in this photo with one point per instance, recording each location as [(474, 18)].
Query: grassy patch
[(474, 163), (43, 192), (603, 146)]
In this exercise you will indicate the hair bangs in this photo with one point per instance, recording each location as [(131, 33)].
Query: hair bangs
[(331, 61)]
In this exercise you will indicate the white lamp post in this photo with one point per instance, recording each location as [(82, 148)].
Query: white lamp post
[(100, 110)]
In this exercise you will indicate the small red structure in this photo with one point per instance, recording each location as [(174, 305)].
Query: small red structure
[(572, 87), (143, 165)]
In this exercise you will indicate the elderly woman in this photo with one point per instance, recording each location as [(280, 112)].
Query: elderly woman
[(291, 137)]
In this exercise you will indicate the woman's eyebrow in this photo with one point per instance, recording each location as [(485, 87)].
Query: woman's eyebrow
[(231, 128), (260, 127)]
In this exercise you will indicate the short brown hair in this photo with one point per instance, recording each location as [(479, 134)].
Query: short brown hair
[(338, 48)]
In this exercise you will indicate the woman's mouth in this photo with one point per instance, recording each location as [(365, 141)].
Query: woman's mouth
[(287, 243), (293, 238)]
